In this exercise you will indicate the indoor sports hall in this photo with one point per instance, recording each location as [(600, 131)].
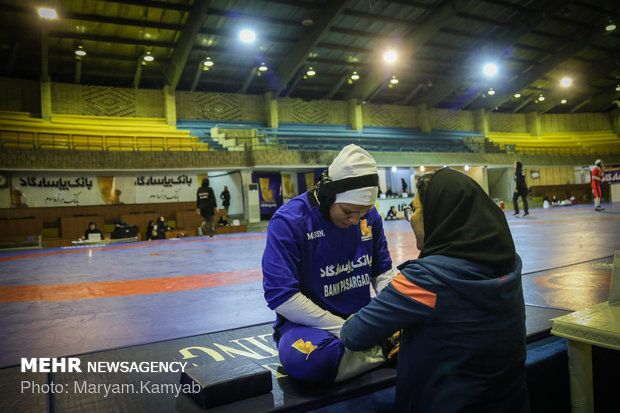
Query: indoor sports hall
[(116, 115)]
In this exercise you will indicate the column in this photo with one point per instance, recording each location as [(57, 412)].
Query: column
[(355, 115), (170, 108)]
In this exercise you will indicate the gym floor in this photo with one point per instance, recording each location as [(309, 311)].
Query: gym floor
[(69, 301)]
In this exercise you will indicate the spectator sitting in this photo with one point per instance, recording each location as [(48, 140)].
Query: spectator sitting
[(150, 232), (160, 228), (391, 215), (389, 192), (555, 201), (92, 229), (222, 221)]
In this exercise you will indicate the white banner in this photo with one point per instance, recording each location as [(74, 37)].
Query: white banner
[(37, 190), (165, 188), (52, 189), (47, 190)]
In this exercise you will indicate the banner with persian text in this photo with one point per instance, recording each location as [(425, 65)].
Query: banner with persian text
[(47, 190), (611, 174)]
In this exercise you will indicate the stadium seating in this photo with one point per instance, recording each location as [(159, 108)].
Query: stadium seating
[(24, 130)]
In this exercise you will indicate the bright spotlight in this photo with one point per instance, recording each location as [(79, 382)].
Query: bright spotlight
[(422, 168), (566, 81), (394, 169), (247, 36), (47, 13), (517, 95), (610, 26), (490, 69), (466, 168), (390, 56)]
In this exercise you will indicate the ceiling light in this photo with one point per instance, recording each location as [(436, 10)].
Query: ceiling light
[(491, 92), (390, 56), (466, 168), (208, 62), (541, 97), (355, 76), (47, 13), (566, 81), (263, 67), (490, 69), (307, 21), (618, 87), (517, 95), (148, 57), (393, 80), (247, 36), (79, 51), (394, 169), (563, 101), (422, 168), (610, 26), (311, 72)]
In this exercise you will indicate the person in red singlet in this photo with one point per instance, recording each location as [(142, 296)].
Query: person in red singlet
[(597, 183)]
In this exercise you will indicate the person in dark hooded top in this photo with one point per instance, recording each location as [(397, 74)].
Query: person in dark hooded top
[(206, 207), (459, 306), (520, 190)]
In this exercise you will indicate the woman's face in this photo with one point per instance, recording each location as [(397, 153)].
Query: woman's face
[(417, 222), (345, 215)]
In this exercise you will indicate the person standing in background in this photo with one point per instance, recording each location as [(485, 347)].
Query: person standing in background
[(520, 190), (597, 184), (404, 186), (225, 197), (206, 207)]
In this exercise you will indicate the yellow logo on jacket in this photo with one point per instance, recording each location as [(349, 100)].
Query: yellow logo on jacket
[(366, 230), (305, 347)]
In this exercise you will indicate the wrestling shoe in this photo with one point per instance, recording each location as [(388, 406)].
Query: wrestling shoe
[(598, 208), (526, 214)]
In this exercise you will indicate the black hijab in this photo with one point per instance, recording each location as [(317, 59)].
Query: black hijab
[(460, 220)]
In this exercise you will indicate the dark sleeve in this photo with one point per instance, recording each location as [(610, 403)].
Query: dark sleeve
[(381, 260), (399, 305), (198, 199)]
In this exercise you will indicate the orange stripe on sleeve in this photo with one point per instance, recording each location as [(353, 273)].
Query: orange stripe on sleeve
[(413, 291)]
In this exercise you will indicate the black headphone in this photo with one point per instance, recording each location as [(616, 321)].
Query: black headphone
[(326, 189)]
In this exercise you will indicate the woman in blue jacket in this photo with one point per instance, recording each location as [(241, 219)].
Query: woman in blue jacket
[(459, 305)]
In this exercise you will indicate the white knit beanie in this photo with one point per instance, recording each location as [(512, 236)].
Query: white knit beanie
[(354, 161)]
